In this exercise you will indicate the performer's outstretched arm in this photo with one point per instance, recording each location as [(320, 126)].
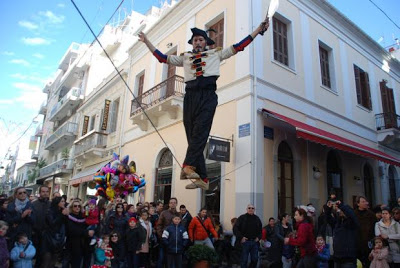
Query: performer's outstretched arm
[(261, 28), (143, 38)]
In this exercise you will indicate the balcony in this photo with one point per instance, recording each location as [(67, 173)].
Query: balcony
[(62, 166), (39, 131), (388, 127), (164, 98), (69, 56), (92, 144), (35, 155), (43, 108), (69, 102), (63, 136)]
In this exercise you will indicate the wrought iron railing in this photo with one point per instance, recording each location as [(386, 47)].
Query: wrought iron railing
[(68, 128), (73, 93), (172, 86), (387, 120), (93, 140), (62, 165)]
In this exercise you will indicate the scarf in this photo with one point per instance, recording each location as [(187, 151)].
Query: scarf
[(320, 248), (20, 205), (78, 220)]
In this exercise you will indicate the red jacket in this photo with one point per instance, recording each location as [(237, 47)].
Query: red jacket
[(197, 231), (92, 217), (304, 239)]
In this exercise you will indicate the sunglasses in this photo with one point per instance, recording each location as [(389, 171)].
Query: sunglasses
[(21, 192), (77, 206), (114, 235), (251, 208)]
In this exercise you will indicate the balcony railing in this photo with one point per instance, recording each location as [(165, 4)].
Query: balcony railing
[(173, 86), (73, 94), (69, 129), (93, 140), (60, 166), (387, 121)]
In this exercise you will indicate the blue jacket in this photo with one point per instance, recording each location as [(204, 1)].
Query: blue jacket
[(99, 256), (175, 238), (324, 257), (344, 234), (25, 262)]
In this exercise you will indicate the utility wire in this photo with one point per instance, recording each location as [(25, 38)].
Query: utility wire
[(126, 84), (385, 14)]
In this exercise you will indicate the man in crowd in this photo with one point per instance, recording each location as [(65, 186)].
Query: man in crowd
[(40, 207), (248, 230), (366, 232), (185, 216), (166, 219)]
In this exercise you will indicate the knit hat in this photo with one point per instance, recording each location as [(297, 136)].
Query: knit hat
[(132, 219), (92, 201)]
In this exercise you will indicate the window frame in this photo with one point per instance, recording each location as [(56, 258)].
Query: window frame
[(291, 66), (212, 22), (363, 89), (331, 67)]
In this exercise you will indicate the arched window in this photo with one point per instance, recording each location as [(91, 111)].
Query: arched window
[(162, 187), (334, 175), (285, 179), (369, 184)]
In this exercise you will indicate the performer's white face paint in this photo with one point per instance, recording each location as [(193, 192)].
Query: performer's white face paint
[(199, 43)]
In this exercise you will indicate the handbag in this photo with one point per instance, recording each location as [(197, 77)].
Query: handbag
[(55, 240)]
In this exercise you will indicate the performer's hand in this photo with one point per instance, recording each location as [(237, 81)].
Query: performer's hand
[(263, 26), (142, 37)]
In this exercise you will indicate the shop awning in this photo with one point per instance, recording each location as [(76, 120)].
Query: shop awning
[(329, 139), (86, 174)]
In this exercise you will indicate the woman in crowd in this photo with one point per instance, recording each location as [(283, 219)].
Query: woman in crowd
[(117, 220), (283, 229), (77, 235), (304, 239), (118, 246), (54, 236), (389, 229), (3, 208), (144, 252), (19, 215), (102, 205)]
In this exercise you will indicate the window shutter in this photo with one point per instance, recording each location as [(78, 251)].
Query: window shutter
[(384, 96), (368, 103), (358, 83)]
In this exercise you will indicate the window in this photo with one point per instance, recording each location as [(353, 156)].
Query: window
[(92, 121), (362, 88), (140, 86), (218, 35), (324, 63), (280, 36), (114, 116), (162, 187)]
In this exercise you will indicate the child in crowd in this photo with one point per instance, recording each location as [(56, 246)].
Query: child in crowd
[(23, 252), (379, 254), (134, 238), (100, 260), (323, 252), (175, 238), (105, 239), (4, 254), (92, 218)]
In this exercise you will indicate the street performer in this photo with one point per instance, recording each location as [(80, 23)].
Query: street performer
[(201, 71)]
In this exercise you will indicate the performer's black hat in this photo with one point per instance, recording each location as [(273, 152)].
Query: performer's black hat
[(197, 31)]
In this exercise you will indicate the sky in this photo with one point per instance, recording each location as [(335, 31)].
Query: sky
[(37, 33)]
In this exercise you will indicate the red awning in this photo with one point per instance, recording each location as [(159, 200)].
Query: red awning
[(326, 138)]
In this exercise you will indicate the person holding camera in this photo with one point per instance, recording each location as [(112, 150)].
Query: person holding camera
[(345, 227)]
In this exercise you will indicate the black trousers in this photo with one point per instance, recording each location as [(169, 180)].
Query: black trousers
[(198, 112)]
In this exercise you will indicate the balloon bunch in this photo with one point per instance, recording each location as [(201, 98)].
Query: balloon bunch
[(117, 178)]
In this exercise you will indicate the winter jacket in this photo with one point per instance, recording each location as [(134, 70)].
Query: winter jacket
[(248, 226), (275, 251), (77, 235), (379, 258), (135, 238), (25, 262), (175, 238), (40, 208), (186, 219), (99, 256), (56, 225), (93, 217), (119, 250), (117, 223), (344, 233), (16, 223), (287, 250), (367, 220), (324, 256), (393, 233), (165, 219), (198, 232), (4, 254), (304, 239)]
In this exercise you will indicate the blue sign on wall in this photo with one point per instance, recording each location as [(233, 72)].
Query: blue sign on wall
[(268, 133), (244, 130)]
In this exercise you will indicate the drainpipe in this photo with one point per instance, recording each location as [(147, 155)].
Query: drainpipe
[(253, 112)]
